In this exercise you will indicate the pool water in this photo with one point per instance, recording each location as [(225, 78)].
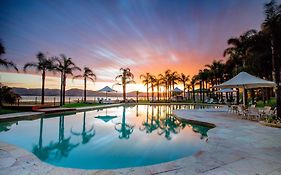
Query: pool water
[(119, 137)]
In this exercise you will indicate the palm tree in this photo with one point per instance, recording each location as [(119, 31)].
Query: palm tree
[(192, 83), (184, 79), (5, 62), (126, 77), (152, 81), (159, 82), (145, 81), (217, 71), (272, 25), (66, 67), (166, 79), (87, 74), (173, 80), (44, 64), (238, 48)]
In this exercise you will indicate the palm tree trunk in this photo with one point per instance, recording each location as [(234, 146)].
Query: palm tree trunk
[(158, 93), (276, 75), (237, 96), (85, 91), (124, 92), (147, 97), (63, 92), (43, 87), (193, 93), (61, 88), (183, 90), (152, 92), (203, 99)]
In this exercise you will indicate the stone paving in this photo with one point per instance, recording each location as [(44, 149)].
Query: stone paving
[(234, 146), (19, 115)]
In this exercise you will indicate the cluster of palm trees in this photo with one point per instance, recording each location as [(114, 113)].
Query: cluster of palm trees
[(167, 80), (256, 52), (63, 65)]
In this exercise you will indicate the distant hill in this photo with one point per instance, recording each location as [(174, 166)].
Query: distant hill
[(70, 92)]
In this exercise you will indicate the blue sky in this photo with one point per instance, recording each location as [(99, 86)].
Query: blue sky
[(145, 35)]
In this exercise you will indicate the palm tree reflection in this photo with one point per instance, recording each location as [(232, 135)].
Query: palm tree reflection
[(39, 150), (201, 129), (4, 127), (169, 124), (63, 147), (86, 135), (123, 128), (166, 124), (149, 126)]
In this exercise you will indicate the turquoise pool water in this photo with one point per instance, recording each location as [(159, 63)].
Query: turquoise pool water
[(119, 137)]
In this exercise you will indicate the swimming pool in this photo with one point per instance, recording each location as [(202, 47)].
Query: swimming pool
[(119, 137)]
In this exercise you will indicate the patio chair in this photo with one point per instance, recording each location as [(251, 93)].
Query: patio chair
[(253, 106), (241, 110), (253, 113)]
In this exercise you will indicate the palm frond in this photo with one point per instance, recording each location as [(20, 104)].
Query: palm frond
[(27, 65)]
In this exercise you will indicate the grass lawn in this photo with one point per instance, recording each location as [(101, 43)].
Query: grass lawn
[(77, 105), (8, 111)]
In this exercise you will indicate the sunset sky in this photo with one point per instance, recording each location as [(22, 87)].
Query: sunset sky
[(144, 35)]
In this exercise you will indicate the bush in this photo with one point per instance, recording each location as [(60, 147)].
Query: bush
[(7, 95)]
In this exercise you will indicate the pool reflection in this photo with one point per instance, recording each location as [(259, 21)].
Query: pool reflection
[(126, 136)]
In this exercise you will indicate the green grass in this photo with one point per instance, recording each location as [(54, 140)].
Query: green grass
[(77, 105), (271, 102), (8, 111)]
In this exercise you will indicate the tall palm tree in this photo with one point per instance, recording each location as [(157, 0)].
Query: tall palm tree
[(166, 79), (87, 74), (66, 67), (145, 80), (159, 82), (238, 48), (173, 80), (272, 25), (5, 62), (217, 71), (44, 64), (126, 77), (184, 79), (152, 81), (192, 83)]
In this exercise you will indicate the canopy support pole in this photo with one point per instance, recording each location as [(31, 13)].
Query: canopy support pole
[(244, 99)]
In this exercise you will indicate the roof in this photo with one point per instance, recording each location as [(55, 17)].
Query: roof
[(247, 81)]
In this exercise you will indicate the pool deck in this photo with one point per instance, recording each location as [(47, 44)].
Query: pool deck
[(19, 116), (234, 146)]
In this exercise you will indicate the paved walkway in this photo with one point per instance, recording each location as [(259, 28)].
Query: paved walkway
[(234, 146), (19, 115)]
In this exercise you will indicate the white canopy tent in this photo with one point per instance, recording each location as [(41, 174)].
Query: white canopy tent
[(177, 90), (246, 81)]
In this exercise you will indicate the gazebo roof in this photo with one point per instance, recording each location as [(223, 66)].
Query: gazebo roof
[(247, 81)]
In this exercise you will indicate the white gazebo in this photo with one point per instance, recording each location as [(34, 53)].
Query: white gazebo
[(246, 81)]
